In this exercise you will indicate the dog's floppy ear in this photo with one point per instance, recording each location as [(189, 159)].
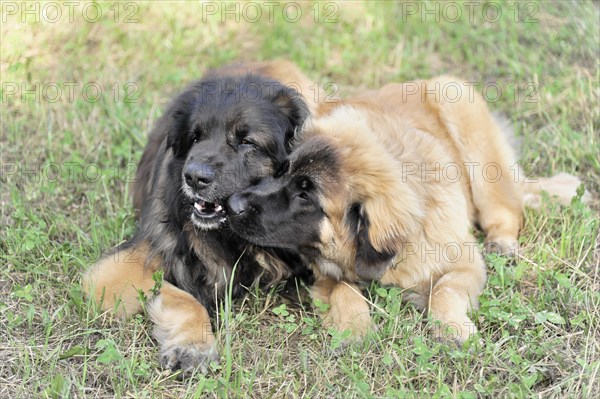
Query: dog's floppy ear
[(179, 136), (392, 209), (292, 105), (370, 262)]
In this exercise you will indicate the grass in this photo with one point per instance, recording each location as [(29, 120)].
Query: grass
[(67, 162)]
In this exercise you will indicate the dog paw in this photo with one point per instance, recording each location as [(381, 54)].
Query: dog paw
[(502, 246), (188, 358)]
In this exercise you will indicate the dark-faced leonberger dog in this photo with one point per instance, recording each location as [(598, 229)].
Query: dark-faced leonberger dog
[(387, 187), (220, 136)]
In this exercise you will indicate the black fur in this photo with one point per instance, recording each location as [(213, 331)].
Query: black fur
[(370, 263), (284, 211), (241, 127)]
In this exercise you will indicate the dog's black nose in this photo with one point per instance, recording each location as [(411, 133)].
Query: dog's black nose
[(198, 175), (237, 204)]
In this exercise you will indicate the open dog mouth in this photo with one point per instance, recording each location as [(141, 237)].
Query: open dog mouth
[(208, 215), (205, 215), (208, 210)]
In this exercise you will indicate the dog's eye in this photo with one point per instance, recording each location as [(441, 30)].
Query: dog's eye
[(197, 135), (244, 143), (305, 184)]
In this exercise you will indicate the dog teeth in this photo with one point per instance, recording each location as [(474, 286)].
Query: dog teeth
[(203, 206)]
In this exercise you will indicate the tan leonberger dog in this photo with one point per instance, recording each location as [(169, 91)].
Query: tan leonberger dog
[(388, 186)]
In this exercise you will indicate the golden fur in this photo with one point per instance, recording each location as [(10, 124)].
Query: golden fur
[(180, 321), (395, 152), (114, 281)]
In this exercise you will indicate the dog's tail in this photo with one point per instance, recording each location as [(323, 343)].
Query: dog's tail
[(562, 187)]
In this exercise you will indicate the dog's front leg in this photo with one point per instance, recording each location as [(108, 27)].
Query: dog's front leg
[(183, 330), (115, 281), (348, 309), (453, 295)]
